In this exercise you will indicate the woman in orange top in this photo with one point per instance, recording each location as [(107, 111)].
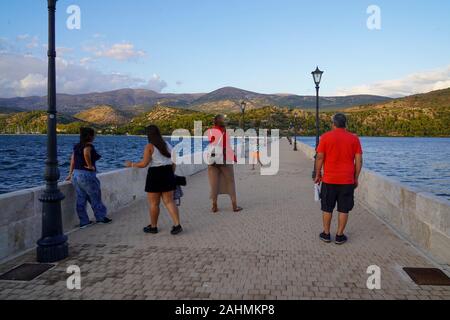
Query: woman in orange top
[(221, 174)]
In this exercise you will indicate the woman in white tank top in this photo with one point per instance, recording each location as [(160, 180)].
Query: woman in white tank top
[(161, 182), (158, 160)]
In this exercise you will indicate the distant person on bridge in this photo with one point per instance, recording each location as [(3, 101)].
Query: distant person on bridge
[(340, 155)]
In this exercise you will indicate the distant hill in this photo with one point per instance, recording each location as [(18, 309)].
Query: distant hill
[(167, 119), (161, 114), (124, 99), (6, 110), (36, 122), (424, 115), (419, 115), (227, 100), (103, 115), (223, 100), (434, 100)]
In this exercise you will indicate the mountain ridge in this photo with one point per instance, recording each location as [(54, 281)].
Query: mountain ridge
[(103, 115), (425, 115), (225, 99)]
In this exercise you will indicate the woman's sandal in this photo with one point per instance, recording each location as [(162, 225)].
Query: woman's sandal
[(215, 209), (237, 209)]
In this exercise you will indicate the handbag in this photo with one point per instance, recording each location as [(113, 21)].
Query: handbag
[(180, 181), (177, 195)]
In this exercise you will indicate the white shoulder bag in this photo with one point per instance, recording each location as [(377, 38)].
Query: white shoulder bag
[(214, 153)]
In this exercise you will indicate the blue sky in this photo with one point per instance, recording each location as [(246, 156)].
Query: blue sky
[(266, 46)]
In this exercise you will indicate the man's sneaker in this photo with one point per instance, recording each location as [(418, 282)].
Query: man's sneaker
[(176, 230), (105, 220), (151, 230), (86, 225), (325, 237), (341, 239)]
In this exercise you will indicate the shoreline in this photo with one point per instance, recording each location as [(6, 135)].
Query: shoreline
[(301, 139), (281, 136)]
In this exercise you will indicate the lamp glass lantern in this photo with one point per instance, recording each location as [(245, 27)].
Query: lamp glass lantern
[(317, 76), (243, 106)]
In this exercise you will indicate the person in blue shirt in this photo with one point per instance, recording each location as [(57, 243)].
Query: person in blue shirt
[(83, 174)]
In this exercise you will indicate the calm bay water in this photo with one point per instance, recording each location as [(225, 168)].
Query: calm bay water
[(423, 163), (22, 158)]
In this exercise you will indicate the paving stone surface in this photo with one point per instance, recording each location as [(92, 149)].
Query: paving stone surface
[(269, 251)]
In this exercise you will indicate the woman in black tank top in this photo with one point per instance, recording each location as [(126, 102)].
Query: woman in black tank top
[(83, 174)]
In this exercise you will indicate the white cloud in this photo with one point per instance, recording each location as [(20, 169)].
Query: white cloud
[(33, 82), (62, 51), (5, 45), (119, 51), (31, 41), (98, 35), (86, 60), (22, 75), (418, 82), (22, 37), (155, 83)]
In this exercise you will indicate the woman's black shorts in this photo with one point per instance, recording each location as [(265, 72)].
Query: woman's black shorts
[(160, 179)]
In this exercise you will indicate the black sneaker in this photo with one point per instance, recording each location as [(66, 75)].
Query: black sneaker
[(325, 237), (176, 230), (151, 230), (341, 239), (87, 225), (105, 221)]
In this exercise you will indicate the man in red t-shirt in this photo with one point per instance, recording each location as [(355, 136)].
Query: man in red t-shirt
[(340, 155)]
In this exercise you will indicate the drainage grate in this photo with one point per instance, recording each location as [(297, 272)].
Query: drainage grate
[(428, 276), (26, 272)]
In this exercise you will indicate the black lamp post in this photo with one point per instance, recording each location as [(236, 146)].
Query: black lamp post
[(243, 107), (295, 133), (290, 132), (52, 247), (317, 76)]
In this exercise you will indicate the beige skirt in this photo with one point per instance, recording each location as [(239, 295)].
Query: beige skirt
[(221, 180)]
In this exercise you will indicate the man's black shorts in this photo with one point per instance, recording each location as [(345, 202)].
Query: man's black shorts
[(342, 194)]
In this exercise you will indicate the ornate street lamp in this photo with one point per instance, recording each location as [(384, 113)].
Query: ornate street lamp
[(295, 133), (317, 76), (243, 107), (52, 247), (290, 132)]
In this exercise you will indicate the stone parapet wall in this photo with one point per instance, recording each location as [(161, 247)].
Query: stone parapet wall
[(422, 218)]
